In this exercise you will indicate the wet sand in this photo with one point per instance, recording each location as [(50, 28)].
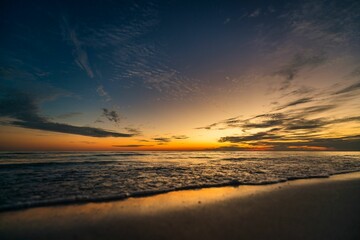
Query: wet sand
[(302, 209)]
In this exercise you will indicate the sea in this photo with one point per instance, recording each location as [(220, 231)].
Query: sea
[(30, 179)]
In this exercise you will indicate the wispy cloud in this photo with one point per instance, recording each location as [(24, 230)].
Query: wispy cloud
[(327, 22), (348, 89), (132, 130), (299, 62), (296, 102), (310, 36), (131, 59), (102, 93), (255, 13), (79, 52), (227, 20)]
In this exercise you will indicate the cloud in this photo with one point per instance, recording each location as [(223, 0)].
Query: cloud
[(165, 140), (295, 114), (227, 20), (261, 121), (66, 128), (349, 143), (162, 139), (298, 63), (346, 119), (134, 131), (255, 13), (297, 124), (278, 142), (291, 120), (102, 93), (233, 122), (208, 127), (296, 102), (310, 34), (317, 109), (24, 109), (301, 91), (131, 59), (331, 23), (179, 137), (297, 133), (351, 88), (304, 123), (81, 56), (111, 115), (253, 137), (263, 124)]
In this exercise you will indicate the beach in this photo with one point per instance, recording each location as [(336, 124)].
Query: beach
[(322, 208)]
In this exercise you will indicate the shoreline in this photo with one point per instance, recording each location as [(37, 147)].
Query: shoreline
[(316, 208), (124, 197)]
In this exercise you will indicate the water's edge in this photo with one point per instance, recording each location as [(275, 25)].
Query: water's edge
[(84, 200)]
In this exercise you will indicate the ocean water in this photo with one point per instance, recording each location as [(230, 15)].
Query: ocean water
[(41, 178)]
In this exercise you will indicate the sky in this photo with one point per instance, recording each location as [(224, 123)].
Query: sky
[(179, 75)]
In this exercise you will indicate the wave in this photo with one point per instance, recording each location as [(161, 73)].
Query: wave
[(121, 196)]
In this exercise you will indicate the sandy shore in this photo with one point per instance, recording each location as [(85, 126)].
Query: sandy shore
[(302, 209)]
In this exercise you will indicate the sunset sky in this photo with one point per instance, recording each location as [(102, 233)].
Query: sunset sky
[(180, 75)]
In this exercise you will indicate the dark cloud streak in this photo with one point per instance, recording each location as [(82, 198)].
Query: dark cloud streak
[(66, 128), (24, 109), (162, 139), (296, 102), (353, 87), (179, 137), (254, 137)]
